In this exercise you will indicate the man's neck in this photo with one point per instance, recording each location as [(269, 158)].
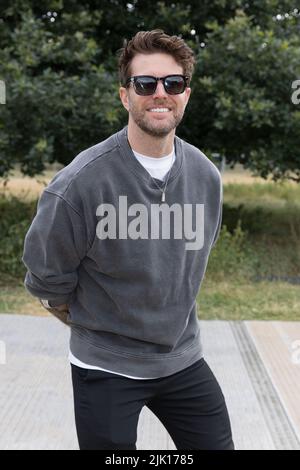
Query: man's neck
[(146, 144)]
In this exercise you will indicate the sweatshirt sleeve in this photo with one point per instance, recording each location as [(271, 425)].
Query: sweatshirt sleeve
[(54, 246), (218, 229)]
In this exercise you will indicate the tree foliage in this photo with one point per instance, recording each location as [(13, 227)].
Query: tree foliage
[(58, 60)]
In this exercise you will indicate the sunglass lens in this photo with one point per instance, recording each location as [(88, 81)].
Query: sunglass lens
[(174, 85), (145, 86)]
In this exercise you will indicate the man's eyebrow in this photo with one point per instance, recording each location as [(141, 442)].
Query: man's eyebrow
[(156, 75)]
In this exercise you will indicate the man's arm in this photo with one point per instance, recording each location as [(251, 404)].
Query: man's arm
[(60, 311), (55, 244), (218, 229)]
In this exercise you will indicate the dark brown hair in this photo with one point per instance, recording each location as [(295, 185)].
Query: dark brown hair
[(148, 42)]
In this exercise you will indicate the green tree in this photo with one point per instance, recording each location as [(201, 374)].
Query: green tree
[(58, 59), (60, 99), (242, 93)]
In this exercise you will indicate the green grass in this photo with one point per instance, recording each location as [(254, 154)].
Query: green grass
[(230, 300), (15, 299), (262, 194), (268, 212)]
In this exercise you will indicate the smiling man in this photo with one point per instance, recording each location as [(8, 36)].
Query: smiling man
[(154, 117), (127, 291)]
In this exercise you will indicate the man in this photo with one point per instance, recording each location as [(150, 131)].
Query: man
[(118, 250)]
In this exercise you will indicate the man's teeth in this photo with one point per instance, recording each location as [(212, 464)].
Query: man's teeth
[(159, 110)]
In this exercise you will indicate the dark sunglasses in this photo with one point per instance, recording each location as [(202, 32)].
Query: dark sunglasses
[(145, 85)]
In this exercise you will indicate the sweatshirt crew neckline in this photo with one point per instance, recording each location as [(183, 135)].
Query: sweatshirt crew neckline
[(132, 162), (154, 160)]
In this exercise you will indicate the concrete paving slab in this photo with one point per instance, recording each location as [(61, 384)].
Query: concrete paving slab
[(36, 402), (277, 345)]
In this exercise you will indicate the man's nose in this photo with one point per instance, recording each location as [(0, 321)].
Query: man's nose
[(160, 90)]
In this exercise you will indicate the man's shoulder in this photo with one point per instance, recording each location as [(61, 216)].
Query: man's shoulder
[(198, 160), (83, 165)]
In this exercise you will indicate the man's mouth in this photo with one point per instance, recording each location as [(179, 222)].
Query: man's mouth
[(159, 110)]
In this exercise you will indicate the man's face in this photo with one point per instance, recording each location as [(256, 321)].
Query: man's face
[(154, 123)]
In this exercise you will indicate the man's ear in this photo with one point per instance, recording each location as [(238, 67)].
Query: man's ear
[(124, 97), (188, 92)]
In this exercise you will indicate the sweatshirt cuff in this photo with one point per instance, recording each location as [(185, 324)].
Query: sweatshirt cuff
[(45, 303), (53, 303)]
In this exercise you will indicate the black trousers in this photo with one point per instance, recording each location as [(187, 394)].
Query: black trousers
[(189, 403)]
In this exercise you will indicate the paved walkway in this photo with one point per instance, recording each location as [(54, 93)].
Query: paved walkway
[(256, 363)]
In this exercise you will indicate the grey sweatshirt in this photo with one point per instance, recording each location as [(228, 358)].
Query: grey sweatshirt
[(128, 265)]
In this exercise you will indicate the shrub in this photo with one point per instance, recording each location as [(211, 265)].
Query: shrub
[(15, 219), (232, 256)]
